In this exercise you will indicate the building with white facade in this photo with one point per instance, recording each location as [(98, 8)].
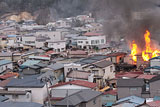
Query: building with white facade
[(90, 40), (5, 64)]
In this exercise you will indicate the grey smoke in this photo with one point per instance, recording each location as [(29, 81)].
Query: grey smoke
[(121, 21)]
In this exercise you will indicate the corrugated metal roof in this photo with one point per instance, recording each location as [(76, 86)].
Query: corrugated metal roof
[(20, 104), (39, 57), (3, 62), (30, 62), (136, 101), (81, 96)]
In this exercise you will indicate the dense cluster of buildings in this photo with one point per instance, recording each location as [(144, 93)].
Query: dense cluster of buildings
[(71, 63)]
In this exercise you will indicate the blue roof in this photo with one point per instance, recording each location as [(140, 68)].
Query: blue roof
[(10, 36), (3, 98), (136, 101), (109, 104), (158, 57), (39, 57), (156, 98), (153, 67), (29, 63), (20, 104), (26, 82), (3, 62)]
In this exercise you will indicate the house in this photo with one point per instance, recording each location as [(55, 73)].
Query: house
[(152, 70), (87, 98), (17, 96), (58, 46), (131, 101), (109, 98), (29, 40), (79, 75), (105, 68), (59, 91), (20, 104), (57, 69), (12, 56), (29, 63), (90, 40), (4, 65), (129, 87), (116, 57), (36, 87)]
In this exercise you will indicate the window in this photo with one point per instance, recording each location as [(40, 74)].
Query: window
[(102, 40), (86, 42), (133, 89), (92, 41), (14, 96), (111, 68)]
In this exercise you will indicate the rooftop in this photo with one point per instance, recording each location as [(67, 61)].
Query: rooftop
[(79, 97), (130, 82), (136, 101), (20, 104), (92, 34), (77, 82), (3, 62), (26, 82), (103, 64)]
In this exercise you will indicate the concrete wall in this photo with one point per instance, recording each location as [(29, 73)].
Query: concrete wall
[(6, 66), (125, 92), (155, 88), (38, 95), (28, 40), (96, 102), (109, 72), (20, 98), (57, 46)]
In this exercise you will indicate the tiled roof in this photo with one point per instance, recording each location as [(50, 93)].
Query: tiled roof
[(77, 82), (146, 76), (77, 52), (156, 78), (111, 92), (92, 34), (116, 54), (8, 75), (154, 104)]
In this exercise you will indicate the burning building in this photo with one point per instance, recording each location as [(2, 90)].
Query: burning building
[(149, 50)]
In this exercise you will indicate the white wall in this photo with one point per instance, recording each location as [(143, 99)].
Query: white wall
[(71, 66), (39, 44), (28, 40), (92, 41), (21, 98), (53, 35), (57, 46), (38, 94), (6, 66), (109, 73)]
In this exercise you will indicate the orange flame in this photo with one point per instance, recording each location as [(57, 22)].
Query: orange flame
[(148, 52), (134, 51)]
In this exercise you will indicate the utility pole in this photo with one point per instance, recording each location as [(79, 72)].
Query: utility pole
[(45, 79), (67, 98)]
